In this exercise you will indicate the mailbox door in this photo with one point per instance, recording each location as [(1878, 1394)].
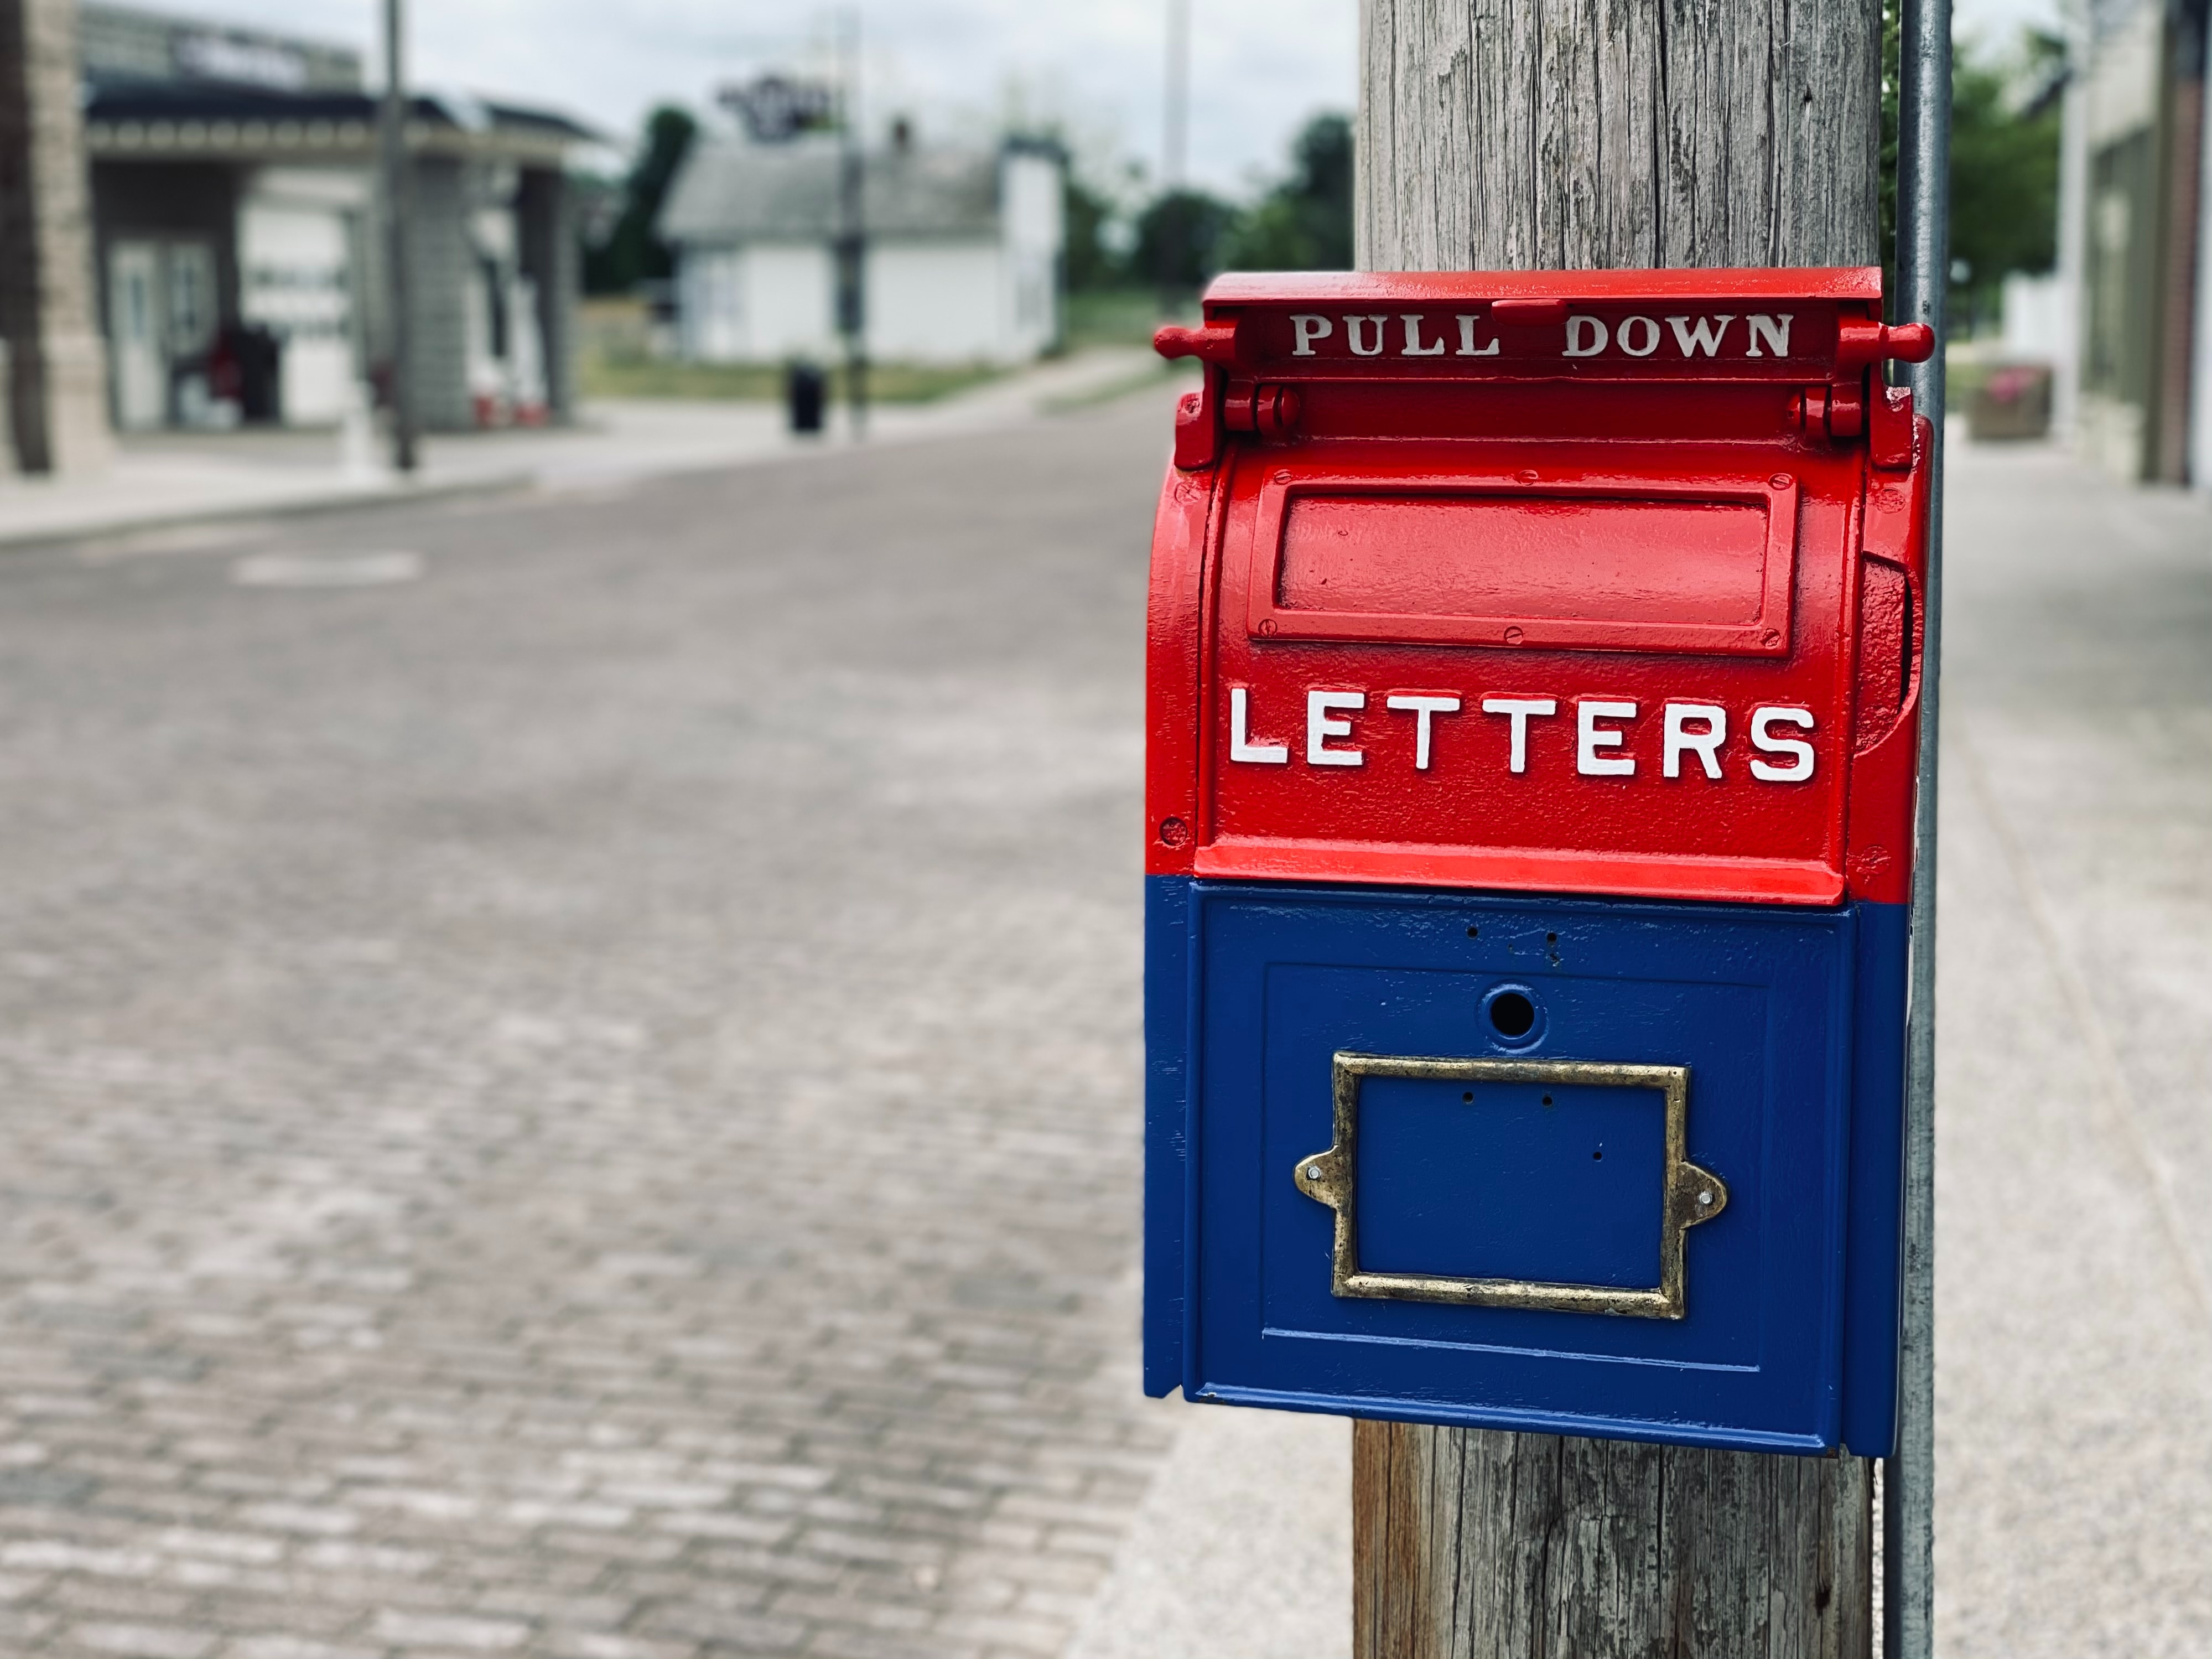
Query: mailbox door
[(1531, 1161), (1521, 649)]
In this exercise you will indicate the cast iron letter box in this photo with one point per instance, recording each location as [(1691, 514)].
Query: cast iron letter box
[(1533, 668)]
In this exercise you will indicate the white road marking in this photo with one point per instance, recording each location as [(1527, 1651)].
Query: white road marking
[(327, 570)]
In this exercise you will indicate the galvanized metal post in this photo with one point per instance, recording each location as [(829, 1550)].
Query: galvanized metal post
[(1924, 267), (396, 178), (1174, 146)]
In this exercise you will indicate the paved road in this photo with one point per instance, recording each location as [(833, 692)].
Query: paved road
[(583, 1104)]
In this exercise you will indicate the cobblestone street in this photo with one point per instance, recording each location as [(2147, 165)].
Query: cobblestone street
[(570, 1075), (575, 1095)]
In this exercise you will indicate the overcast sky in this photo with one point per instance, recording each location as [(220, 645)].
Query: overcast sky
[(1259, 67), (2000, 18)]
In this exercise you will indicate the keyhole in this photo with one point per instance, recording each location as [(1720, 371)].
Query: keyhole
[(1512, 1014)]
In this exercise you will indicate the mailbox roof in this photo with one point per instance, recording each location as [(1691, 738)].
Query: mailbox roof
[(732, 191), (1861, 283)]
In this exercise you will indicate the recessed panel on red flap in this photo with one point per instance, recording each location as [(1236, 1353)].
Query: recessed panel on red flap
[(1681, 564)]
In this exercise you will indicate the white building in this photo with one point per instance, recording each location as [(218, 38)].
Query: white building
[(963, 261), (2134, 322), (238, 265)]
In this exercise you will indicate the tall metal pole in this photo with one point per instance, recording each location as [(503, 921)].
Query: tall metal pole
[(852, 224), (1174, 117), (1923, 267), (1175, 152), (396, 209)]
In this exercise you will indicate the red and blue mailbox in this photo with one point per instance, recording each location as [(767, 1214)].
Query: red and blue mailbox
[(1533, 666)]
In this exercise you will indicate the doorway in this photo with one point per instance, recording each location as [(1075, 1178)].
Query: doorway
[(134, 335)]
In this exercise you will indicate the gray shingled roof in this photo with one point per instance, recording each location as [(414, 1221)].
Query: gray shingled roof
[(729, 191)]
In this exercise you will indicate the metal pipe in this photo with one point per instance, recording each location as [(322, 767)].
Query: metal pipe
[(1175, 113), (852, 246), (1923, 265), (1174, 146), (393, 134)]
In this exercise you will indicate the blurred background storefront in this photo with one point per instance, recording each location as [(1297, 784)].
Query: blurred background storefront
[(236, 245), (2136, 240)]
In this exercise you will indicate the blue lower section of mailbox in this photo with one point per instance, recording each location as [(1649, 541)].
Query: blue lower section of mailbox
[(1421, 1155)]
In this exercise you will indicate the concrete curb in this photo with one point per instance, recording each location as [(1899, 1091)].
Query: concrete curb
[(1049, 394), (287, 507)]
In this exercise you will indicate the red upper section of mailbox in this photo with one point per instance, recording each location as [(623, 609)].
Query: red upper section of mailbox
[(1599, 582)]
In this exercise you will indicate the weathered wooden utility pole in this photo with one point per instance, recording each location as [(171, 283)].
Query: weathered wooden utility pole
[(1580, 134)]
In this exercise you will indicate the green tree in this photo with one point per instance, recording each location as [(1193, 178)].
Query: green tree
[(632, 252), (2004, 171), (1092, 262), (1305, 223), (1180, 237), (2004, 165)]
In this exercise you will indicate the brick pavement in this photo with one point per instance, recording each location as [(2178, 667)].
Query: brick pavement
[(584, 1105)]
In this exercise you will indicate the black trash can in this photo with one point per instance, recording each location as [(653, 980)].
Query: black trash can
[(805, 389)]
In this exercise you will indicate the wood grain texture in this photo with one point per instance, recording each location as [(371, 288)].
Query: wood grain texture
[(1585, 134), (1594, 134), (1469, 1544)]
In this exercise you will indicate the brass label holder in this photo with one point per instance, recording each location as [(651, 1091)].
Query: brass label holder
[(1690, 1195)]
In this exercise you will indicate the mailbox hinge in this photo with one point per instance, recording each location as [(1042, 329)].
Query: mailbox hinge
[(1225, 400), (1199, 415), (1857, 402)]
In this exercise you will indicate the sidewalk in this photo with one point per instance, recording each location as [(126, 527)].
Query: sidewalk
[(172, 478), (2073, 1127)]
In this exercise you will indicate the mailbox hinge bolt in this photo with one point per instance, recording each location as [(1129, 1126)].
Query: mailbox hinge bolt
[(1272, 411)]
